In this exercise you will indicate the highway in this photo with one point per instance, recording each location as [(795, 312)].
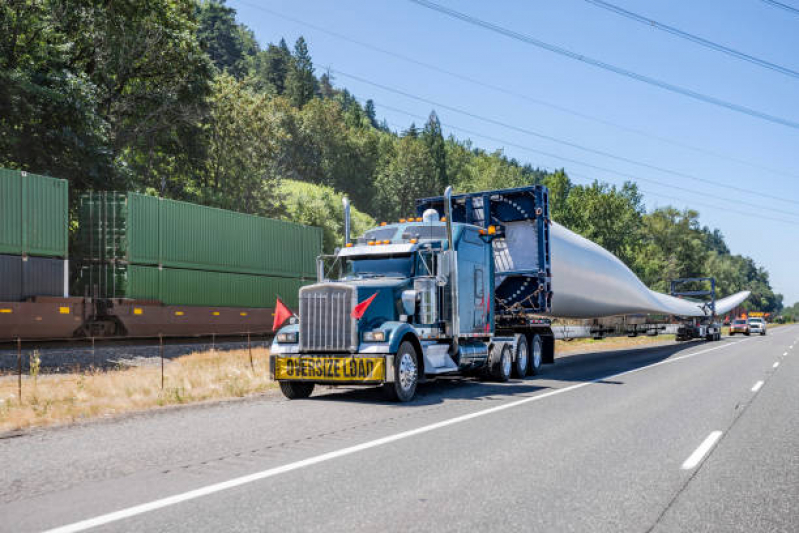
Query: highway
[(699, 436)]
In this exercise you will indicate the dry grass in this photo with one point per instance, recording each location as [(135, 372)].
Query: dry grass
[(64, 398), (611, 343)]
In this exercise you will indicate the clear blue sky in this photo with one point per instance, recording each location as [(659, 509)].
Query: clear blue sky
[(750, 26)]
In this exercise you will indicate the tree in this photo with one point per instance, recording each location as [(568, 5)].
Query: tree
[(222, 38), (272, 67), (411, 132), (609, 216), (434, 139), (301, 84), (321, 206), (326, 86), (371, 114), (242, 174), (408, 174)]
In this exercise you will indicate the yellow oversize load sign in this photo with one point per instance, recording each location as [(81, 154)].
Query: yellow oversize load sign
[(330, 368)]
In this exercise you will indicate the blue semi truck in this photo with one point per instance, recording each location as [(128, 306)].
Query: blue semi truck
[(434, 294)]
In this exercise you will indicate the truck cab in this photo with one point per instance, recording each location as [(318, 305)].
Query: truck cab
[(402, 303)]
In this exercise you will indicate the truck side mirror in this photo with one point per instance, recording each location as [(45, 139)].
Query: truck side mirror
[(409, 298)]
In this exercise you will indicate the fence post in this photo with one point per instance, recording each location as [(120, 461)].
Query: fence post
[(213, 342), (19, 369), (161, 350), (249, 349), (94, 353)]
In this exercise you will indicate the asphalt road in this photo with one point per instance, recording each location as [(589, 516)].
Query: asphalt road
[(690, 437)]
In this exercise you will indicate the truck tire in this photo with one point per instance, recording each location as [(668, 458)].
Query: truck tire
[(406, 374), (500, 362), (295, 390), (521, 361), (536, 355)]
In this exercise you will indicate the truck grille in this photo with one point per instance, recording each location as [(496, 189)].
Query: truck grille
[(325, 321)]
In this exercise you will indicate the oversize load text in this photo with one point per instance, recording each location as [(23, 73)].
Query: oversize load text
[(330, 368)]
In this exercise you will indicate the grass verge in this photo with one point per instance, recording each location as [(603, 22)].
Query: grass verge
[(63, 398)]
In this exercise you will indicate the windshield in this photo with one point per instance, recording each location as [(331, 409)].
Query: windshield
[(739, 322), (756, 320), (372, 267)]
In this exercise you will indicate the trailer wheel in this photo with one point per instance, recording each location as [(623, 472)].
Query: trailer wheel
[(536, 355), (521, 363), (499, 362), (295, 390), (406, 374)]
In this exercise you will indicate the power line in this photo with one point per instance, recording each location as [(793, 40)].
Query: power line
[(786, 7), (590, 180), (761, 208), (694, 38), (560, 141), (515, 94), (606, 66)]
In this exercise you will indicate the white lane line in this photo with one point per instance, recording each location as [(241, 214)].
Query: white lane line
[(756, 386), (264, 474), (703, 449), (786, 353), (775, 365)]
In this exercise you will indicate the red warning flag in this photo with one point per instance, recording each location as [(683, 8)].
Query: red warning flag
[(281, 314), (360, 309)]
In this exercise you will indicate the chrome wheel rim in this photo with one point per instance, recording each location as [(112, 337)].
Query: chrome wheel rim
[(537, 353), (522, 357), (407, 371), (506, 362)]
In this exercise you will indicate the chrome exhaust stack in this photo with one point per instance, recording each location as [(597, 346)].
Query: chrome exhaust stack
[(453, 270), (346, 202)]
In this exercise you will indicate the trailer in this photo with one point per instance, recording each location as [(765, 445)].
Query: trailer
[(706, 327), (467, 286)]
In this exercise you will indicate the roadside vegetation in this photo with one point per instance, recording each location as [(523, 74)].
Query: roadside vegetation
[(49, 399), (563, 347), (179, 99)]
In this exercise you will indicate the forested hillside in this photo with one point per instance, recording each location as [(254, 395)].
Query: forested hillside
[(177, 98)]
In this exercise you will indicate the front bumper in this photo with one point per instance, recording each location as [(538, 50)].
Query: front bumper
[(333, 368)]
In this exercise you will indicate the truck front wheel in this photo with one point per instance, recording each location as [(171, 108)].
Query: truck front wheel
[(295, 390), (406, 374)]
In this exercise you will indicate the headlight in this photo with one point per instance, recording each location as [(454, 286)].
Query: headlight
[(374, 336), (287, 338)]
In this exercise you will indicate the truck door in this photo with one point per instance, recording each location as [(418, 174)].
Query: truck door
[(474, 296)]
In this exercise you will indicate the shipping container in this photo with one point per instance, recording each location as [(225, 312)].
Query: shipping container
[(33, 214), (173, 286), (25, 277), (145, 230)]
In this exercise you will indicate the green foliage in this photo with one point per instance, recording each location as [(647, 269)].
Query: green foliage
[(271, 67), (301, 84), (408, 172), (177, 98), (790, 314), (241, 174), (227, 43), (318, 205), (608, 216)]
